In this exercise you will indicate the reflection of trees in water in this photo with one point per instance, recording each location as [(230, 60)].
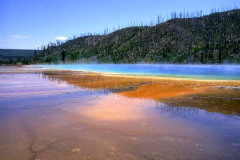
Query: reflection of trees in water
[(182, 110), (63, 78), (186, 110), (164, 108)]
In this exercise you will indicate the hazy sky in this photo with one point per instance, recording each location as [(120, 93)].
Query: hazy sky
[(31, 23)]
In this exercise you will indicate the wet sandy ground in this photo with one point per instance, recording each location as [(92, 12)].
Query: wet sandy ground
[(49, 115)]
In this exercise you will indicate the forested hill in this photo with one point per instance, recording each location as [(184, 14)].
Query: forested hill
[(214, 38), (16, 55)]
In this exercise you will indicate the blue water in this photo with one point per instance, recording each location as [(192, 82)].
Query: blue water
[(216, 72)]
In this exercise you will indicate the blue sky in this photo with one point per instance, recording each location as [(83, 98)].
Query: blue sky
[(27, 24)]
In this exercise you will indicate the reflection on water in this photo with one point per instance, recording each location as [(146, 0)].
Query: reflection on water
[(61, 116)]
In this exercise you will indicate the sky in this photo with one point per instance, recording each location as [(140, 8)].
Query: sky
[(27, 24)]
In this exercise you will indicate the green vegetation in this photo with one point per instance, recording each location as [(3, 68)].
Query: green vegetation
[(13, 56), (185, 38)]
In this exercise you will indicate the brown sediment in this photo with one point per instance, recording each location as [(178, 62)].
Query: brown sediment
[(159, 90), (36, 152)]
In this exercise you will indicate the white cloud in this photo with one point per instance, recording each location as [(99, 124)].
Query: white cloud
[(61, 38), (18, 36)]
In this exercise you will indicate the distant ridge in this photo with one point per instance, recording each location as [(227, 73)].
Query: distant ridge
[(16, 55)]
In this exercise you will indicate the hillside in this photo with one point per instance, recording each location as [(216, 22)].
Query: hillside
[(214, 38), (15, 55)]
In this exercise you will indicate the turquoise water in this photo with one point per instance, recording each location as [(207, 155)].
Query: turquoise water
[(216, 72)]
